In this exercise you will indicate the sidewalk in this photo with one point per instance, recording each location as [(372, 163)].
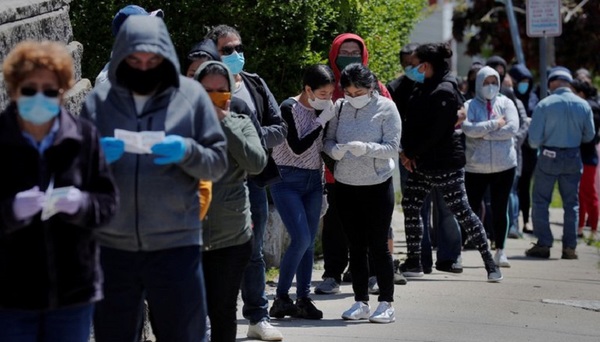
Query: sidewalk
[(538, 300)]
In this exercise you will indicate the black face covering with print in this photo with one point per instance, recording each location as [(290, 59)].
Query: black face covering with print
[(142, 82)]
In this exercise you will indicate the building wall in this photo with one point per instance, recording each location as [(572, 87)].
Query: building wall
[(38, 20)]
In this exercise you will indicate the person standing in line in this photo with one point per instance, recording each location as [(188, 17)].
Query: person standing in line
[(256, 94), (519, 139), (346, 48), (524, 86), (443, 223), (491, 124), (118, 20), (560, 123), (151, 251), (298, 197), (227, 230), (363, 139), (433, 154), (588, 196), (50, 267)]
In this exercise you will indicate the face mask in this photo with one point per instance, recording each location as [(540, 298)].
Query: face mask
[(38, 109), (522, 87), (142, 82), (317, 103), (414, 74), (489, 91), (343, 61), (359, 101), (219, 99), (235, 62)]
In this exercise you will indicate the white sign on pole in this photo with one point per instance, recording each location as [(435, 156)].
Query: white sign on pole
[(544, 18)]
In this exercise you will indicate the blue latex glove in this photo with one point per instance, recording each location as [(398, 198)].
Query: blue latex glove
[(113, 148), (172, 150)]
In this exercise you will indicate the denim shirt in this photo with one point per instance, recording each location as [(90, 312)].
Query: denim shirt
[(46, 141), (562, 120)]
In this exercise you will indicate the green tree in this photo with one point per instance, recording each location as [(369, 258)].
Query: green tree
[(281, 38), (484, 26)]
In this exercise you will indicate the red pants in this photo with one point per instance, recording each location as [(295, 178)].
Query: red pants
[(588, 198)]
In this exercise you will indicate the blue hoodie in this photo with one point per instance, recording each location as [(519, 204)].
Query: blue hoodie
[(489, 148), (159, 203)]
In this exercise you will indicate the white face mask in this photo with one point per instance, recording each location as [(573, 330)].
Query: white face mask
[(489, 91), (319, 104), (359, 101)]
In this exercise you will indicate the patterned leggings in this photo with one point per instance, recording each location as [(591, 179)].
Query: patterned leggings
[(451, 184)]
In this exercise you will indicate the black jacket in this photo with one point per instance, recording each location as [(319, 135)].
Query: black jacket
[(428, 134), (54, 263)]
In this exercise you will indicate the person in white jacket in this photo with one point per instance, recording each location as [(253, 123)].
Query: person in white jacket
[(491, 124), (364, 137)]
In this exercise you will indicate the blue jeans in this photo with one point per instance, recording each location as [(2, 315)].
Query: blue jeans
[(566, 168), (170, 280), (513, 207), (298, 198), (70, 324), (446, 228), (254, 280)]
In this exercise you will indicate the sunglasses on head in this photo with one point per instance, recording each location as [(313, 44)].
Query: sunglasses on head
[(228, 50), (26, 91)]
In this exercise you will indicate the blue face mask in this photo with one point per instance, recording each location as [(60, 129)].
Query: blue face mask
[(414, 74), (522, 87), (235, 62), (38, 109)]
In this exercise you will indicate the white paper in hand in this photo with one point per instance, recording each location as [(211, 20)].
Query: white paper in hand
[(53, 195), (139, 142)]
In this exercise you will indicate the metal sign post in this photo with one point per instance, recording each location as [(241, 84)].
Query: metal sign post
[(543, 20)]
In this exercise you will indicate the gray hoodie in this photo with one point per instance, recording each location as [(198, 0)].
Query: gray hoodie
[(159, 203), (489, 147), (378, 125)]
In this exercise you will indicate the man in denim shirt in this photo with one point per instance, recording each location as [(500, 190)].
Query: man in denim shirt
[(560, 123)]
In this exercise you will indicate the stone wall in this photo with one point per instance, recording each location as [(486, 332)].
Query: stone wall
[(37, 20)]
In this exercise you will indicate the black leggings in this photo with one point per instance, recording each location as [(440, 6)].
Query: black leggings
[(451, 184), (366, 214), (500, 184)]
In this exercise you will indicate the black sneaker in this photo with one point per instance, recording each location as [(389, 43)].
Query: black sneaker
[(411, 268), (399, 278), (538, 251), (283, 307), (307, 309), (448, 266)]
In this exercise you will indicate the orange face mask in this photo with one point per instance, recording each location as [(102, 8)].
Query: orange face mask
[(219, 99)]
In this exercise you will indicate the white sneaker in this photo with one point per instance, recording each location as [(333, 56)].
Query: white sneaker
[(358, 310), (264, 331), (500, 258), (384, 314)]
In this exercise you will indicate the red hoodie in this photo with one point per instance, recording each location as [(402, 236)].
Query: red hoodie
[(338, 92)]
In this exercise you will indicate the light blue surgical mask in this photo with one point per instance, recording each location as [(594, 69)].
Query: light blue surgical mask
[(38, 109), (413, 73), (522, 87), (235, 62)]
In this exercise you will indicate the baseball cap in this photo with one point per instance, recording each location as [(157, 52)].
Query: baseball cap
[(128, 10), (560, 73)]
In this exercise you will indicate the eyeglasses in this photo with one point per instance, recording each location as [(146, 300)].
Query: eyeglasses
[(27, 91), (228, 50)]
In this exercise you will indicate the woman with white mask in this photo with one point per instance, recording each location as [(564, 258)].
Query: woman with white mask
[(363, 137), (491, 124)]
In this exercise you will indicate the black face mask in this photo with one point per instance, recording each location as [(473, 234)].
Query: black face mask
[(142, 82)]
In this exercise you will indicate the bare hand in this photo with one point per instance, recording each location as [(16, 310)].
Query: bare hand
[(461, 115), (223, 113), (501, 122)]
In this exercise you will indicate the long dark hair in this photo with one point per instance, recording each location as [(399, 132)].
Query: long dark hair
[(435, 54)]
